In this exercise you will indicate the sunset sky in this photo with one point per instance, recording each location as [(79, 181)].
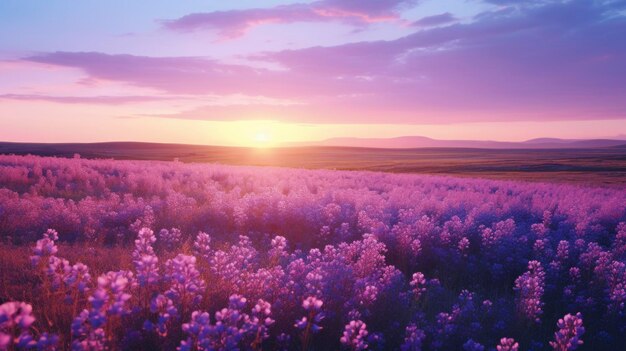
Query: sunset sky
[(248, 72)]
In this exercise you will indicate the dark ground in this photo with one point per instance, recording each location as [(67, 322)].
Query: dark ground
[(600, 166)]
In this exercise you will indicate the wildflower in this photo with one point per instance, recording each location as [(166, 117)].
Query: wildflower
[(186, 285), (463, 246), (197, 331), (279, 245), (112, 294), (413, 339), (77, 280), (170, 238), (166, 312), (369, 295), (16, 314), (507, 344), (471, 345), (45, 247), (261, 321), (16, 319), (568, 337), (354, 335), (56, 271), (562, 251), (616, 280), (530, 288), (87, 332), (418, 285), (202, 246), (143, 243), (144, 259), (309, 324)]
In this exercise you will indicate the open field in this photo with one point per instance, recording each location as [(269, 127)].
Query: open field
[(594, 165), (153, 255)]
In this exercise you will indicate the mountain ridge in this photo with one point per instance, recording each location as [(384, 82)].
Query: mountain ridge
[(410, 142)]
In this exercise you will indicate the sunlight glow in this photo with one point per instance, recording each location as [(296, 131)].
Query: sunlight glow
[(262, 138)]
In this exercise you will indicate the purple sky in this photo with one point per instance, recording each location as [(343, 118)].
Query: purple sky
[(224, 73)]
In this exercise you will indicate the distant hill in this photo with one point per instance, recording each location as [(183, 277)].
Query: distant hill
[(410, 142), (527, 161)]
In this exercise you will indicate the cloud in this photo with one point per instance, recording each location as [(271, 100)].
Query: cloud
[(436, 20), (552, 61), (102, 99), (178, 75), (235, 23)]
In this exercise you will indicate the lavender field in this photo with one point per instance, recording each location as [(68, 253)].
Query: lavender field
[(150, 255)]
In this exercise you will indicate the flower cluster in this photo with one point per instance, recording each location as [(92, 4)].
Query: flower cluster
[(16, 319), (413, 340), (570, 332), (170, 238), (165, 312), (277, 251), (233, 328), (507, 344), (354, 335), (186, 285), (313, 307), (202, 246), (45, 247), (144, 258), (530, 288), (418, 285)]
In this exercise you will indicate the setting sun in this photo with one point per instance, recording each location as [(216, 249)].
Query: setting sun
[(262, 139)]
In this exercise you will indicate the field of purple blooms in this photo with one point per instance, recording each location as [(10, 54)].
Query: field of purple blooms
[(148, 255)]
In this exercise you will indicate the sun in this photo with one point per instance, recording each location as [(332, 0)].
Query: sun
[(262, 139)]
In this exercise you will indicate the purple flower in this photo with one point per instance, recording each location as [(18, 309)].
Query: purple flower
[(418, 285), (197, 329), (16, 319), (112, 293), (170, 238), (260, 321), (471, 345), (413, 339), (144, 259), (87, 333), (232, 328), (45, 247), (16, 314), (507, 344), (186, 285), (530, 288), (202, 246), (354, 335), (277, 251), (165, 312), (616, 281), (57, 271), (78, 276), (309, 324), (312, 304), (568, 337), (463, 246)]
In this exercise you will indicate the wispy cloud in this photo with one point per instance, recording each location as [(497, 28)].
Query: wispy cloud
[(102, 99), (435, 20), (235, 23), (542, 60)]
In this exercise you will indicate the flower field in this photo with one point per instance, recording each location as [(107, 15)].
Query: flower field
[(128, 255)]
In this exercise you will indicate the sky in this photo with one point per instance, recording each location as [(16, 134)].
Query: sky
[(270, 72)]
